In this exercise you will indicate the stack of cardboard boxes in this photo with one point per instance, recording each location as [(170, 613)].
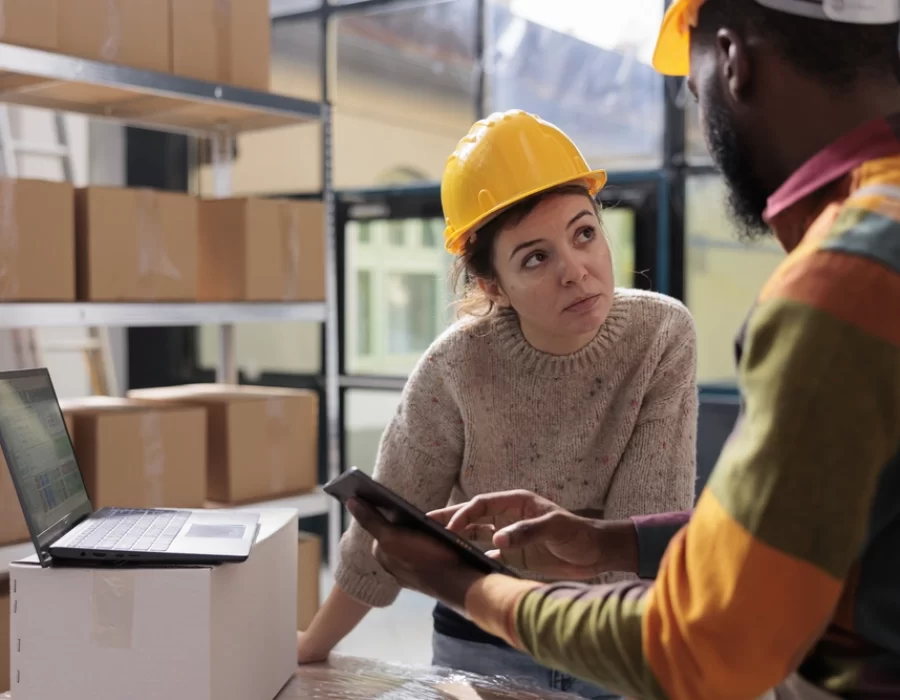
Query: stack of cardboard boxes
[(188, 447), (227, 41), (138, 245)]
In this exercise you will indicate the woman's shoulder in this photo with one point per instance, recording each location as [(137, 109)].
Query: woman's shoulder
[(459, 339), (652, 310)]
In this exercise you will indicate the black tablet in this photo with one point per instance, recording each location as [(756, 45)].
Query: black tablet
[(396, 510)]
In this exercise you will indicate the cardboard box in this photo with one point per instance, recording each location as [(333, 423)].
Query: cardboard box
[(262, 442), (225, 41), (37, 241), (131, 33), (262, 250), (30, 23), (134, 455), (309, 567), (135, 245), (12, 523), (206, 633)]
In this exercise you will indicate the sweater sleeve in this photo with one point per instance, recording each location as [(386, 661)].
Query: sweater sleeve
[(658, 469), (419, 458), (750, 583)]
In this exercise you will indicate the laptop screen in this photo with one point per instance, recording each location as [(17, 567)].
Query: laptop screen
[(39, 455)]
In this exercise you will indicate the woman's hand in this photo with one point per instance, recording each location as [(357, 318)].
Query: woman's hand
[(533, 534)]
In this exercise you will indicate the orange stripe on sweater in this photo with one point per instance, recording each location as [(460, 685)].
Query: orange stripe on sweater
[(729, 616), (850, 288)]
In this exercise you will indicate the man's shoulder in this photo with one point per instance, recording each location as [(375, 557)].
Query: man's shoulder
[(867, 226), (847, 267)]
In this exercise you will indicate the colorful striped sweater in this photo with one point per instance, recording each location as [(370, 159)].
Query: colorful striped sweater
[(791, 559)]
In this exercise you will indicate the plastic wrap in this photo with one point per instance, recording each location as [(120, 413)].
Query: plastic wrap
[(348, 678)]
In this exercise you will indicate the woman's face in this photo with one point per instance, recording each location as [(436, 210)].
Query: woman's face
[(555, 270)]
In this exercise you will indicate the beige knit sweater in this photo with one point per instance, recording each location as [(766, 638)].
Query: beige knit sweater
[(611, 427)]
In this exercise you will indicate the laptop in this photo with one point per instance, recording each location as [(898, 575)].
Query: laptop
[(64, 527)]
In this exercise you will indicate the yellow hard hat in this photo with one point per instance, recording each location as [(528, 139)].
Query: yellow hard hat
[(504, 159), (672, 55)]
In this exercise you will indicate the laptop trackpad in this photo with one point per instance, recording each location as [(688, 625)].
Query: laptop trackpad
[(230, 532)]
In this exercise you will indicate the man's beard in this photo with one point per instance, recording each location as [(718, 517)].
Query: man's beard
[(747, 198)]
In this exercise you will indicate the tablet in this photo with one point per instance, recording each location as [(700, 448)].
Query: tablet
[(396, 510)]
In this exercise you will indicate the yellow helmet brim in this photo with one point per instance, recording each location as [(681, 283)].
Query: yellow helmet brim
[(456, 240)]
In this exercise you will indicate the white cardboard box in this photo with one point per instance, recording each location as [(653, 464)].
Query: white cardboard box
[(204, 633)]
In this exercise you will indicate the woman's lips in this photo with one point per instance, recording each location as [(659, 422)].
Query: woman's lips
[(585, 304)]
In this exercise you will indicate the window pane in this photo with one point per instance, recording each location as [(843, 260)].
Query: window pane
[(362, 230), (586, 68), (404, 93), (396, 234), (722, 277), (695, 145), (619, 226), (366, 415), (412, 306), (364, 309), (432, 232)]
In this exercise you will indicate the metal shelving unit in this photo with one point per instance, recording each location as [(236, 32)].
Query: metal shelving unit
[(34, 78)]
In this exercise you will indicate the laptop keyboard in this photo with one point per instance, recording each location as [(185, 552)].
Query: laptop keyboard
[(133, 530)]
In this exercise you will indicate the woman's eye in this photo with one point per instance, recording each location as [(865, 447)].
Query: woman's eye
[(586, 234), (534, 259)]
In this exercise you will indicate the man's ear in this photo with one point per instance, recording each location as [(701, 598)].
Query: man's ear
[(733, 58), (493, 291)]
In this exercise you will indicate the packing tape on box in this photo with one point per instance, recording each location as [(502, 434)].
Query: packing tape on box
[(347, 678), (222, 23), (112, 609), (154, 455), (9, 240), (289, 221), (277, 434), (113, 42), (154, 263)]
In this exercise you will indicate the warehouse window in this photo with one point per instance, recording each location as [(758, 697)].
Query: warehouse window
[(396, 233), (364, 312), (398, 294), (722, 276), (411, 300)]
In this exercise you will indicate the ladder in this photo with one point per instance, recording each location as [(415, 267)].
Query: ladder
[(26, 345)]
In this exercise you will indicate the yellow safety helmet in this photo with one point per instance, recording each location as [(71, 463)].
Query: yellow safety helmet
[(673, 47), (504, 159), (672, 55)]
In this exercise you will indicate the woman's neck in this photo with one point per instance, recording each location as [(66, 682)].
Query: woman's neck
[(560, 345)]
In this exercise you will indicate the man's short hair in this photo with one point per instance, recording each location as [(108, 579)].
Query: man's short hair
[(838, 54)]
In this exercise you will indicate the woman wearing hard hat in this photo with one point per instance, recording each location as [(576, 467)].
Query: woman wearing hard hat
[(553, 381)]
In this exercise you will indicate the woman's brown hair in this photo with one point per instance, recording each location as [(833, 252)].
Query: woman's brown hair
[(477, 259)]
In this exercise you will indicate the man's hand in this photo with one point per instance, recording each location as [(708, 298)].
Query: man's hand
[(534, 534), (417, 561)]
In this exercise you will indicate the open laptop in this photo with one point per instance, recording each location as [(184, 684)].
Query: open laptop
[(59, 514)]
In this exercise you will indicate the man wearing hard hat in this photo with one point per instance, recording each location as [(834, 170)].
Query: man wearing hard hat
[(785, 581)]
